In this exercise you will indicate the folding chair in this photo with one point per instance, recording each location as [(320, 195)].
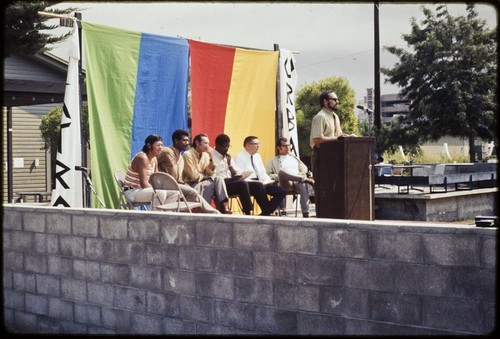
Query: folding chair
[(123, 201), (164, 181)]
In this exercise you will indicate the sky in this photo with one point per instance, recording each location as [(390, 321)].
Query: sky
[(331, 39)]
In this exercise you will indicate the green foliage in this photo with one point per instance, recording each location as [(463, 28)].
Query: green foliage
[(450, 78), (23, 26), (307, 105)]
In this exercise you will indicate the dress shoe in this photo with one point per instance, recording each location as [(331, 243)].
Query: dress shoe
[(305, 215)]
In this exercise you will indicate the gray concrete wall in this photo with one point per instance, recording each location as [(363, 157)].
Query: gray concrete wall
[(108, 271)]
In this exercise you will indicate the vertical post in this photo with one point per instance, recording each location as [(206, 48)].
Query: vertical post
[(10, 160), (279, 113), (83, 135), (376, 108)]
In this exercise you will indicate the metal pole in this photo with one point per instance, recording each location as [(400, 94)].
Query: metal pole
[(376, 108), (9, 156), (279, 113)]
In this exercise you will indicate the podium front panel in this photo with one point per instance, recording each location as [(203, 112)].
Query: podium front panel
[(346, 182)]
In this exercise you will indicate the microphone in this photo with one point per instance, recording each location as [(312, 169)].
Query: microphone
[(80, 168), (366, 109)]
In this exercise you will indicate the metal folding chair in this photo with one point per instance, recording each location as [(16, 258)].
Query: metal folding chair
[(123, 201), (164, 181)]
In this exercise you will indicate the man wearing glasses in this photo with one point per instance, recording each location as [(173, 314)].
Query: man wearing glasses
[(325, 126), (291, 173)]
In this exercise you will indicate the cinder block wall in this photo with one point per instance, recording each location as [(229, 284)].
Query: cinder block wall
[(107, 271)]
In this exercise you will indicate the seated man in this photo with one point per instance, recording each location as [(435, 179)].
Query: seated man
[(235, 184), (291, 173), (199, 173), (250, 160), (170, 161)]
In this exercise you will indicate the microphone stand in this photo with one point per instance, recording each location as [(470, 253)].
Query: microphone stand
[(88, 183)]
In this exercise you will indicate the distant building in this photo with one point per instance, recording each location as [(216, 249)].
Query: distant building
[(392, 106)]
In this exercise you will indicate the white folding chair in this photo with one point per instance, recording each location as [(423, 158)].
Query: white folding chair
[(164, 181), (123, 201)]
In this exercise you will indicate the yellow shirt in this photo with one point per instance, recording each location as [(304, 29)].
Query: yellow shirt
[(325, 123), (197, 166)]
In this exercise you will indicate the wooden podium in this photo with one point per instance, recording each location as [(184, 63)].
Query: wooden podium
[(345, 188)]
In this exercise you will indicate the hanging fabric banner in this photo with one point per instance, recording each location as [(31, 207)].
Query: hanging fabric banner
[(68, 181), (288, 86), (233, 91), (137, 84)]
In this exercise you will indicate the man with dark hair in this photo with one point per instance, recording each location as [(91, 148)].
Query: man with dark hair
[(199, 173), (250, 160), (170, 161)]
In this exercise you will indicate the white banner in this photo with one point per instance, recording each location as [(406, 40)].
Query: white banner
[(68, 190), (288, 85)]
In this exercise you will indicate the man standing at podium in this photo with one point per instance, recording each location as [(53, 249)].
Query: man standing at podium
[(325, 126)]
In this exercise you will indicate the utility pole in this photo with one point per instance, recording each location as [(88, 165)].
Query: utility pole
[(376, 107)]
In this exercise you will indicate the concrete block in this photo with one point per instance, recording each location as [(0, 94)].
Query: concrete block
[(145, 277), (60, 266), (13, 260), (346, 302), (100, 294), (215, 286), (25, 322), (7, 279), (274, 266), (130, 299), (345, 243), (52, 241), (48, 325), (166, 304), (424, 280), (451, 249), (35, 263), (48, 285), (61, 309), (73, 289), (208, 329), (12, 220), (85, 225), (236, 315), (98, 249), (489, 252), (198, 309), (297, 239), (396, 308), (177, 234), (58, 223), (147, 230), (113, 228), (319, 270), (34, 222), (73, 327), (370, 275), (458, 314), (118, 320), (297, 297), (38, 304), (178, 326), (162, 255), (87, 270), (255, 291), (146, 324), (214, 234), (72, 246), (473, 283), (14, 300), (129, 252), (235, 262), (178, 281), (275, 321), (40, 243), (197, 259), (87, 314), (22, 241), (316, 324), (24, 282), (253, 237), (115, 273), (395, 246)]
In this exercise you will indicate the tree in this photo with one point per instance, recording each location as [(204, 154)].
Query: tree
[(23, 26), (307, 104), (449, 77)]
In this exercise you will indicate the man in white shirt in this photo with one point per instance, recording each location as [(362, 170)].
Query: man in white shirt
[(291, 173), (250, 160)]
